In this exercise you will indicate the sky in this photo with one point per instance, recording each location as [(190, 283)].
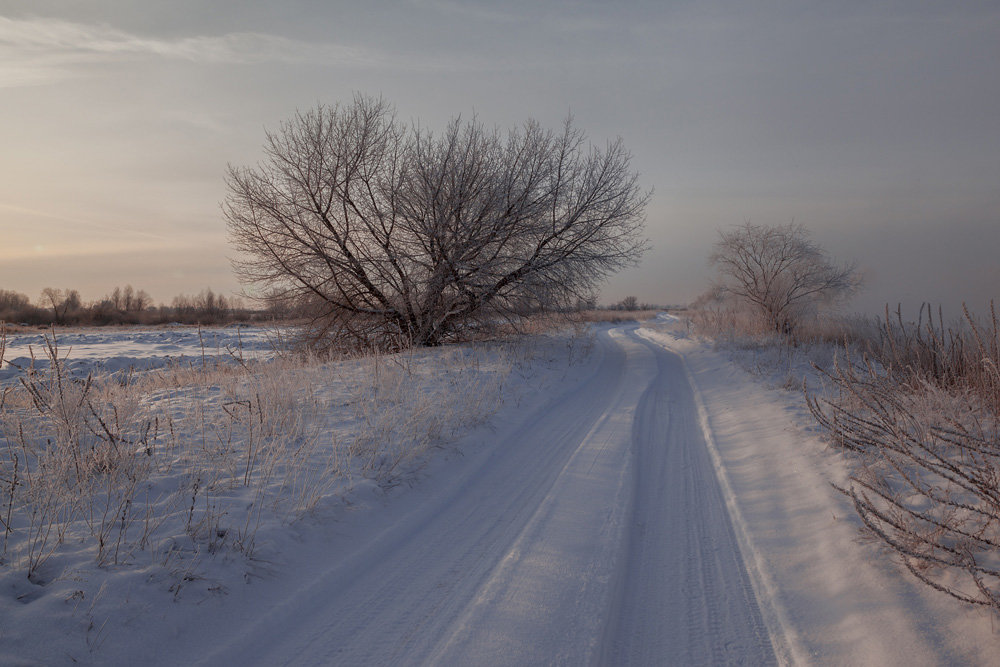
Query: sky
[(876, 125)]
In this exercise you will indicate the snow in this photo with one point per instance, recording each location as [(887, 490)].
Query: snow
[(841, 600), (118, 349), (630, 496)]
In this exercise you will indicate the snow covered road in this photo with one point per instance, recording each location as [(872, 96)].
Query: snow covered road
[(595, 531), (683, 590)]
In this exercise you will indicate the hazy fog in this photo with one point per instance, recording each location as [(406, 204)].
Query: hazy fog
[(873, 124)]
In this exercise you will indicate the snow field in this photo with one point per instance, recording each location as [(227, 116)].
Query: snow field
[(123, 492), (121, 349)]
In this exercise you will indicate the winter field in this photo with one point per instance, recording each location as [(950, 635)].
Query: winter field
[(115, 350), (620, 494)]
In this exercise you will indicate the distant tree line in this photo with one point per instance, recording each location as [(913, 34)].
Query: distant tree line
[(126, 305), (628, 303)]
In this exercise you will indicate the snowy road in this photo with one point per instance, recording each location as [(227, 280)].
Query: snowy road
[(595, 531)]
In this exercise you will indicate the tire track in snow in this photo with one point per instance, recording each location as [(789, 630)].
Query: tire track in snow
[(547, 600), (784, 639), (683, 594)]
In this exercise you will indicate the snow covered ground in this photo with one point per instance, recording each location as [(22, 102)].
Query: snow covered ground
[(839, 597), (631, 497), (113, 349)]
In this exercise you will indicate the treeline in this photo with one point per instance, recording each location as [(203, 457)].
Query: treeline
[(631, 303), (628, 303), (124, 305), (127, 305)]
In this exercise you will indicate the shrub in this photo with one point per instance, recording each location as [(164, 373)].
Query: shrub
[(920, 414)]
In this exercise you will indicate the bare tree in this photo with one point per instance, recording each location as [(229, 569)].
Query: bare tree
[(63, 302), (13, 305), (118, 299), (395, 236), (629, 303), (205, 307), (129, 300), (779, 271)]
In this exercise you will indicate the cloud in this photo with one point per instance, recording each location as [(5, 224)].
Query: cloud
[(38, 51)]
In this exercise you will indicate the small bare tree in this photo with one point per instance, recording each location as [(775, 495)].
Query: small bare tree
[(629, 303), (63, 302), (129, 300), (392, 235), (780, 272)]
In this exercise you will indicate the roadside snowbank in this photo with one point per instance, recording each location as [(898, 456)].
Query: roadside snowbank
[(843, 599)]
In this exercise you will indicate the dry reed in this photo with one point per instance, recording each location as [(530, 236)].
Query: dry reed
[(920, 414)]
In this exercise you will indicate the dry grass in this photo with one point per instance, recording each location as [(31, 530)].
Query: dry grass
[(961, 358), (203, 455), (10, 328), (921, 414), (615, 316), (728, 323), (734, 324), (87, 452), (405, 412)]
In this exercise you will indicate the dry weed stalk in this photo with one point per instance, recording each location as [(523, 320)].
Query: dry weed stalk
[(920, 414), (614, 316), (83, 451), (406, 409), (203, 455)]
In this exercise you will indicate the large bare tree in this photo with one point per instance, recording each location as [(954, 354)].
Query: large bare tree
[(779, 271), (398, 236)]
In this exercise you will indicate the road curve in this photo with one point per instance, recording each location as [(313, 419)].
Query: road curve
[(593, 533)]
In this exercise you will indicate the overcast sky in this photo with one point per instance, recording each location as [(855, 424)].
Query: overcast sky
[(874, 124)]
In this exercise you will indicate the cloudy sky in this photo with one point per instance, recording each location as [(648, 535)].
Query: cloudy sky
[(874, 124)]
